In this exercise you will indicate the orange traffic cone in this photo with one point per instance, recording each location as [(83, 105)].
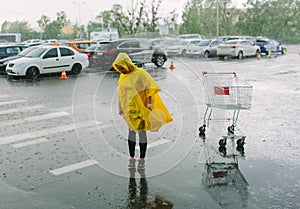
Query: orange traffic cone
[(258, 56), (63, 75), (172, 66)]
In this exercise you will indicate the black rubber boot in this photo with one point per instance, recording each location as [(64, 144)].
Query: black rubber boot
[(131, 145), (143, 148)]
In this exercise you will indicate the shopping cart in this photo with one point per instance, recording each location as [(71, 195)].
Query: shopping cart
[(223, 179), (225, 91)]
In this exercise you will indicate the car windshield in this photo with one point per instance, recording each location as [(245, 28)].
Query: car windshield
[(92, 47), (261, 41), (188, 36), (36, 53), (26, 51), (182, 42), (232, 42), (102, 47), (203, 43)]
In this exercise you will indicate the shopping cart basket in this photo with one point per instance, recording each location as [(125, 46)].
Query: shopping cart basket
[(225, 91)]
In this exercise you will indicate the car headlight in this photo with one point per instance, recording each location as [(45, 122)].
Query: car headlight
[(19, 65)]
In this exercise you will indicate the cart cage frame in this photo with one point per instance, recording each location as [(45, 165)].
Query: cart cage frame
[(226, 91)]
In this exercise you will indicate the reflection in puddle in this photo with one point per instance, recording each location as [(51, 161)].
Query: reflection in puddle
[(223, 179), (138, 193)]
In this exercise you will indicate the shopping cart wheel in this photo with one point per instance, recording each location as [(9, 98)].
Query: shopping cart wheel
[(222, 142), (202, 131), (241, 150), (222, 149), (230, 129), (240, 142)]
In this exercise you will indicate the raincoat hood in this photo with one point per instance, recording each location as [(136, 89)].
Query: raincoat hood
[(125, 62)]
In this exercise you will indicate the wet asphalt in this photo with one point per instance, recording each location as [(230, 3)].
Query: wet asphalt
[(63, 144)]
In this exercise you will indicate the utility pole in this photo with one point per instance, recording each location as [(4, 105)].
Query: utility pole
[(217, 19), (79, 18)]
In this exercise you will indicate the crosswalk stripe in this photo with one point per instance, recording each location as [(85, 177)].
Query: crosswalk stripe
[(40, 133), (20, 109), (44, 132), (28, 143), (33, 118), (4, 96), (103, 125), (73, 167), (12, 102)]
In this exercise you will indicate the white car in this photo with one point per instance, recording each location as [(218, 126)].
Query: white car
[(182, 47), (48, 59), (238, 48), (206, 48)]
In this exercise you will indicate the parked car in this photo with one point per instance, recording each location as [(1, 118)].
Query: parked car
[(33, 42), (270, 45), (249, 38), (237, 48), (107, 53), (206, 48), (191, 36), (164, 42), (48, 59), (91, 51), (222, 38), (8, 50), (182, 46), (80, 45), (4, 61)]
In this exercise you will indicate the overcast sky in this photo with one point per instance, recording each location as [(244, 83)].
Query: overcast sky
[(32, 10)]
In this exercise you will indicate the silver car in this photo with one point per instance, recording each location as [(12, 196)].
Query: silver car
[(206, 48)]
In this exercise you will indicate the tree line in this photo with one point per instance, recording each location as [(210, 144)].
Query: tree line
[(276, 19)]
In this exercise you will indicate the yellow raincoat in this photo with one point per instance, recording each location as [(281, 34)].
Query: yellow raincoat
[(135, 85)]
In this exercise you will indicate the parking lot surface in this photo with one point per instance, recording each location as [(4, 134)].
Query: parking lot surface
[(63, 144)]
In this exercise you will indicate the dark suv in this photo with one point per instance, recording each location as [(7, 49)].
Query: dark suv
[(8, 50), (139, 50)]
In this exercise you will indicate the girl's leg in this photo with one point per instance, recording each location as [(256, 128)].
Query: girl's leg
[(143, 144), (131, 143)]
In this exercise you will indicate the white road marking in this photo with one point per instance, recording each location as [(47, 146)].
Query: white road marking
[(156, 143), (12, 102), (40, 133), (4, 96), (33, 118), (44, 132), (73, 167), (28, 143), (20, 109), (275, 66), (102, 125)]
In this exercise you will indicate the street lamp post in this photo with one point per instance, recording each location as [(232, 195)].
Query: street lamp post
[(79, 18), (217, 19)]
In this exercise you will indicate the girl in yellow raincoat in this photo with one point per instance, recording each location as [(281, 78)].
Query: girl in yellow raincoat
[(139, 104)]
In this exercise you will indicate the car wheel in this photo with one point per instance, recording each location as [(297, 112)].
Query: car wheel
[(160, 60), (183, 53), (76, 69), (240, 55), (206, 54), (32, 73), (283, 51)]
